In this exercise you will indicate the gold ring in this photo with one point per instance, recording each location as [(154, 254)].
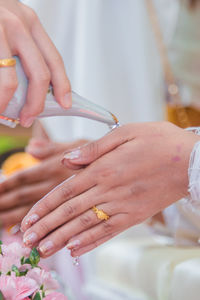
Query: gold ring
[(7, 62), (101, 215)]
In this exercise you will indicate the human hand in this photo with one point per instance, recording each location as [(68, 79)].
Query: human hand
[(20, 192), (135, 171), (22, 34), (42, 148)]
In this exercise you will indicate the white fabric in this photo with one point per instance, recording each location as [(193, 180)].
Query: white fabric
[(149, 267), (185, 281), (194, 176), (184, 53), (110, 56)]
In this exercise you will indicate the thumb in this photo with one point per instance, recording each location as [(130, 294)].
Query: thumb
[(92, 151)]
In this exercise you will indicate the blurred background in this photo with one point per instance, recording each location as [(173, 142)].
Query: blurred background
[(113, 52)]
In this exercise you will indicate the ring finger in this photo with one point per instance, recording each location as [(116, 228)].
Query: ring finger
[(89, 238), (59, 238)]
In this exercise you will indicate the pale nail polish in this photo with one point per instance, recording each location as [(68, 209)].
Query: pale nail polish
[(46, 247), (32, 219), (15, 229), (73, 154), (67, 100), (30, 239), (73, 244), (28, 122)]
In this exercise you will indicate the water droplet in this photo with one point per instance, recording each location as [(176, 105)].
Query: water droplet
[(76, 261)]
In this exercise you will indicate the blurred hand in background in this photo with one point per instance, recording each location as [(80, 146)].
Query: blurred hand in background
[(23, 189)]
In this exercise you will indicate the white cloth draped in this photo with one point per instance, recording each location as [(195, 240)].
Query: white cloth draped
[(110, 58)]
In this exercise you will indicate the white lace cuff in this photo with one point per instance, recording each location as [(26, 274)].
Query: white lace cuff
[(194, 172)]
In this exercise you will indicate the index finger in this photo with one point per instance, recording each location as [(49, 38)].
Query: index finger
[(70, 188), (77, 158)]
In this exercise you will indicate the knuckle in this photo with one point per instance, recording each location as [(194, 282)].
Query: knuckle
[(44, 228), (19, 196), (58, 60), (45, 206), (92, 150), (17, 23), (91, 237), (68, 210), (43, 77), (108, 227), (137, 189), (21, 178), (107, 175), (7, 16), (31, 14), (85, 220), (11, 20), (36, 110), (106, 172), (67, 192)]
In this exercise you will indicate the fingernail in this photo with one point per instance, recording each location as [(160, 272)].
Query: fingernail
[(14, 229), (34, 151), (30, 239), (27, 122), (67, 100), (32, 219), (73, 244), (46, 247), (73, 154)]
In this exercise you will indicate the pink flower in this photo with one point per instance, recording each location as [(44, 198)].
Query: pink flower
[(11, 237), (6, 263), (15, 250), (55, 296), (44, 278), (12, 255), (17, 288)]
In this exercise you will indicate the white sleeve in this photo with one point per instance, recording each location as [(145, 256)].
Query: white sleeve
[(194, 175), (183, 217)]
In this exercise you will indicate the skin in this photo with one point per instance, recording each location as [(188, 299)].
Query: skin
[(21, 191), (131, 174), (22, 34)]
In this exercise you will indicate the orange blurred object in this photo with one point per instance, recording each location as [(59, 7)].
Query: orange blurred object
[(18, 161)]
